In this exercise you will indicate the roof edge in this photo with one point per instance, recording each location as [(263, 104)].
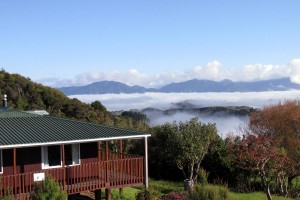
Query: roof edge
[(73, 141)]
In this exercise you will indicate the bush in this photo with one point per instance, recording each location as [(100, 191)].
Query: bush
[(146, 195), (203, 176), (174, 196), (49, 189), (209, 192)]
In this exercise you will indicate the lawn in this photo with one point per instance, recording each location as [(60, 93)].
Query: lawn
[(164, 187)]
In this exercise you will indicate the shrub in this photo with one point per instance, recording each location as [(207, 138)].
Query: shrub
[(203, 176), (174, 196), (209, 192), (145, 195), (49, 189)]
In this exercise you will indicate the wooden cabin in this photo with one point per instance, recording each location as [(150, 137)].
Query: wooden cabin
[(74, 153)]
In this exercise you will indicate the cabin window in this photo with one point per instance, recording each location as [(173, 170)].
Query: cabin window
[(51, 156), (1, 162), (72, 152)]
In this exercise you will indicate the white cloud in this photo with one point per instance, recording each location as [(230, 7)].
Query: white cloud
[(213, 70), (295, 70), (262, 72)]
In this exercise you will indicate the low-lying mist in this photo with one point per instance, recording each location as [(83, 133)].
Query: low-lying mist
[(181, 103)]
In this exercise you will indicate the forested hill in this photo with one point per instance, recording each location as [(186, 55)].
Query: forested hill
[(25, 94)]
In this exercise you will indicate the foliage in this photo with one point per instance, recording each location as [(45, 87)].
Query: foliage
[(193, 140), (163, 187), (281, 122), (259, 155), (203, 176), (187, 144), (174, 196), (135, 115), (209, 192), (146, 195), (219, 164), (49, 189), (5, 194), (24, 94)]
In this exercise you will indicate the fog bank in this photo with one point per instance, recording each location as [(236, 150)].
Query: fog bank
[(163, 101)]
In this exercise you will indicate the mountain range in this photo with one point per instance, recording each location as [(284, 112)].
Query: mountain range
[(195, 85)]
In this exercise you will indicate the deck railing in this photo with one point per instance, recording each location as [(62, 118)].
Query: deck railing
[(79, 178)]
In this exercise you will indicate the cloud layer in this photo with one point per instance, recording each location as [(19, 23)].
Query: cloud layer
[(213, 70), (164, 101)]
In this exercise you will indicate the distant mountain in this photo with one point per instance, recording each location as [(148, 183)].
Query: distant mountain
[(195, 85), (104, 87)]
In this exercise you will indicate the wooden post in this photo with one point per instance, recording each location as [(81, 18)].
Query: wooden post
[(106, 170), (63, 165), (98, 194), (99, 151), (107, 185), (106, 150), (121, 165), (146, 162), (15, 160), (121, 148), (15, 169), (107, 194)]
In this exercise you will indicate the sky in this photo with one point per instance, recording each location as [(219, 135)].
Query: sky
[(149, 43)]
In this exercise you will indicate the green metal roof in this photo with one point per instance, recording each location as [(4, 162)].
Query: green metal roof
[(19, 128)]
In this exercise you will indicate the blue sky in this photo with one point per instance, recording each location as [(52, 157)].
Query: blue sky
[(150, 43)]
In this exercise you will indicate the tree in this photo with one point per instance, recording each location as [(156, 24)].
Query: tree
[(186, 143), (281, 122), (259, 155), (194, 139)]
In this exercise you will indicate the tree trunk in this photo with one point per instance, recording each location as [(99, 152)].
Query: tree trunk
[(268, 192), (266, 185)]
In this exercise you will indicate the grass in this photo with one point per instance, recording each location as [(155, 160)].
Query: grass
[(164, 187), (253, 196), (128, 193)]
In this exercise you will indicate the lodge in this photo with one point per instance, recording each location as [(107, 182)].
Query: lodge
[(75, 153)]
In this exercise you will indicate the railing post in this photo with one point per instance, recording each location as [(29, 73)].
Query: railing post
[(15, 171), (106, 169), (146, 162), (63, 165)]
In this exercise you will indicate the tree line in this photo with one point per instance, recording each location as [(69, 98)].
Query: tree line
[(262, 156)]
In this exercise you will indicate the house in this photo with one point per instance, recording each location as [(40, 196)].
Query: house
[(74, 153)]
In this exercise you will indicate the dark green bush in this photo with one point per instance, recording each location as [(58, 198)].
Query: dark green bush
[(49, 189)]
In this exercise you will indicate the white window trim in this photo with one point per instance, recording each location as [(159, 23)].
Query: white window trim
[(79, 160), (43, 158), (61, 162), (1, 160)]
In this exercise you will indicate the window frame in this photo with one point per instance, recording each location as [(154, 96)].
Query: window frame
[(44, 158), (43, 151), (79, 160)]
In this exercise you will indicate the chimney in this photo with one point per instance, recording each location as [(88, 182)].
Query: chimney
[(5, 100)]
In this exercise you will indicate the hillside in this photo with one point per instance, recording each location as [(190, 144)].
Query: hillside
[(25, 94), (195, 85)]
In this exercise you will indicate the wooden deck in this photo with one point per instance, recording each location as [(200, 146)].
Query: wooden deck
[(86, 177)]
